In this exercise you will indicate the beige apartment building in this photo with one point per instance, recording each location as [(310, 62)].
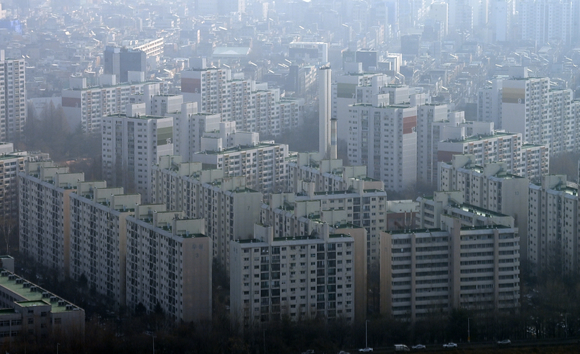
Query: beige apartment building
[(429, 272), (491, 187), (44, 218), (461, 256), (172, 252), (98, 240), (229, 207)]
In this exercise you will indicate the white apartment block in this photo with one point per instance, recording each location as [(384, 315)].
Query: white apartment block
[(489, 103), (294, 213), (44, 221), (169, 262), (189, 126), (131, 145), (543, 116), (85, 106), (490, 187), (544, 20), (98, 239), (252, 106), (427, 140), (345, 93), (553, 226), (13, 109), (384, 138), (430, 271), (526, 160), (227, 205), (263, 164), (303, 277)]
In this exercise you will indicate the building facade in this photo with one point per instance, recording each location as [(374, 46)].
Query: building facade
[(173, 253), (429, 272), (131, 145), (302, 277), (384, 138), (13, 108)]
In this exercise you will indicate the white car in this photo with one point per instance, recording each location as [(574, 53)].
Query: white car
[(504, 342), (450, 345), (418, 347), (365, 350)]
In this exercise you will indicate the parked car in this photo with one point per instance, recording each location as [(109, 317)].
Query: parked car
[(365, 350), (504, 342), (418, 347), (450, 345)]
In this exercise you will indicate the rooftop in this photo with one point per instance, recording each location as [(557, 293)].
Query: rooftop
[(23, 288)]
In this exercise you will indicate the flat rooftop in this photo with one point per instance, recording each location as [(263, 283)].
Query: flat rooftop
[(32, 298)]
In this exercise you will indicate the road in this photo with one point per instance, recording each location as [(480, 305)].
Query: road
[(484, 347)]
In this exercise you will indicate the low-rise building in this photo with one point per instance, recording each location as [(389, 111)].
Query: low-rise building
[(32, 313)]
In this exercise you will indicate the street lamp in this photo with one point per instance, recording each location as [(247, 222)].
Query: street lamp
[(366, 334), (468, 331)]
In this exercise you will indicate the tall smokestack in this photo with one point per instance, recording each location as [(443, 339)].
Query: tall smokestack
[(324, 111), (333, 145)]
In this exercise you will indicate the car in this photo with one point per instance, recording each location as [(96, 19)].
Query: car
[(418, 347), (365, 350), (504, 342), (450, 345)]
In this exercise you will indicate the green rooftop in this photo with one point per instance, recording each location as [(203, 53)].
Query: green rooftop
[(32, 298)]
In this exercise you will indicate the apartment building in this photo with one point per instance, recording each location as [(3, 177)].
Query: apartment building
[(427, 140), (553, 226), (429, 272), (98, 237), (85, 106), (263, 163), (384, 138), (12, 162), (453, 204), (489, 102), (527, 160), (401, 214), (254, 107), (327, 175), (294, 213), (490, 187), (227, 205), (33, 313), (151, 47), (172, 252), (344, 93), (542, 21), (189, 126), (44, 220), (13, 109), (302, 277), (543, 116), (131, 144)]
